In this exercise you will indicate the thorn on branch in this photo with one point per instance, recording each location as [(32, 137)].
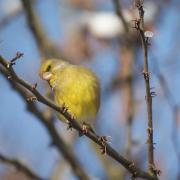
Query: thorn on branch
[(158, 171), (32, 99), (131, 165), (103, 140), (153, 94), (18, 56), (146, 75), (149, 130), (147, 141), (155, 170), (12, 61)]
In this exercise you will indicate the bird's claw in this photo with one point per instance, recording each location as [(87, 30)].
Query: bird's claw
[(69, 127), (64, 108), (104, 139)]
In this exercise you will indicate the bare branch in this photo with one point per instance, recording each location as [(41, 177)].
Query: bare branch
[(45, 45), (20, 166), (57, 141), (126, 77), (139, 25), (100, 140), (118, 10)]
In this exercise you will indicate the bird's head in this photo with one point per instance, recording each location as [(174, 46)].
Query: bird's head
[(50, 69)]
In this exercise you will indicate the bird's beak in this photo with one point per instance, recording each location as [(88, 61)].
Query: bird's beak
[(47, 76)]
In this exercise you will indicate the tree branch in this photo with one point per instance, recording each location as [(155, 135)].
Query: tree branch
[(20, 166), (46, 47), (57, 141), (126, 76), (101, 141), (139, 25), (119, 13)]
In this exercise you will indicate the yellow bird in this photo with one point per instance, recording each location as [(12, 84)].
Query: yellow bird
[(75, 87)]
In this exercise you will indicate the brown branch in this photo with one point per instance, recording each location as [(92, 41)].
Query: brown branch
[(126, 71), (129, 98), (139, 25), (45, 45), (57, 141), (20, 166), (136, 172), (119, 13), (126, 77), (47, 49)]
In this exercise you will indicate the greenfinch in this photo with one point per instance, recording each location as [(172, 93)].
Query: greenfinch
[(75, 87)]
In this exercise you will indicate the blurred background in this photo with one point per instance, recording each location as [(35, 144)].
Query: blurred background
[(99, 35)]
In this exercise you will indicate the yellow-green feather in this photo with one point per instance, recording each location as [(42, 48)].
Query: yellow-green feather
[(77, 88)]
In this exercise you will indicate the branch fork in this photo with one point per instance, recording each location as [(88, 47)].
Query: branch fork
[(93, 136)]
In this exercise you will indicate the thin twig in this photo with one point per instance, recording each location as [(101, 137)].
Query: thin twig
[(45, 45), (139, 25), (100, 140), (126, 76), (48, 49), (57, 141), (20, 166), (119, 12)]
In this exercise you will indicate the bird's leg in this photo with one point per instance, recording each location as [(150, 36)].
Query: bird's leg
[(64, 108)]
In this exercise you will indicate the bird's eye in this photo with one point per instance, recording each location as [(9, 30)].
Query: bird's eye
[(48, 68)]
